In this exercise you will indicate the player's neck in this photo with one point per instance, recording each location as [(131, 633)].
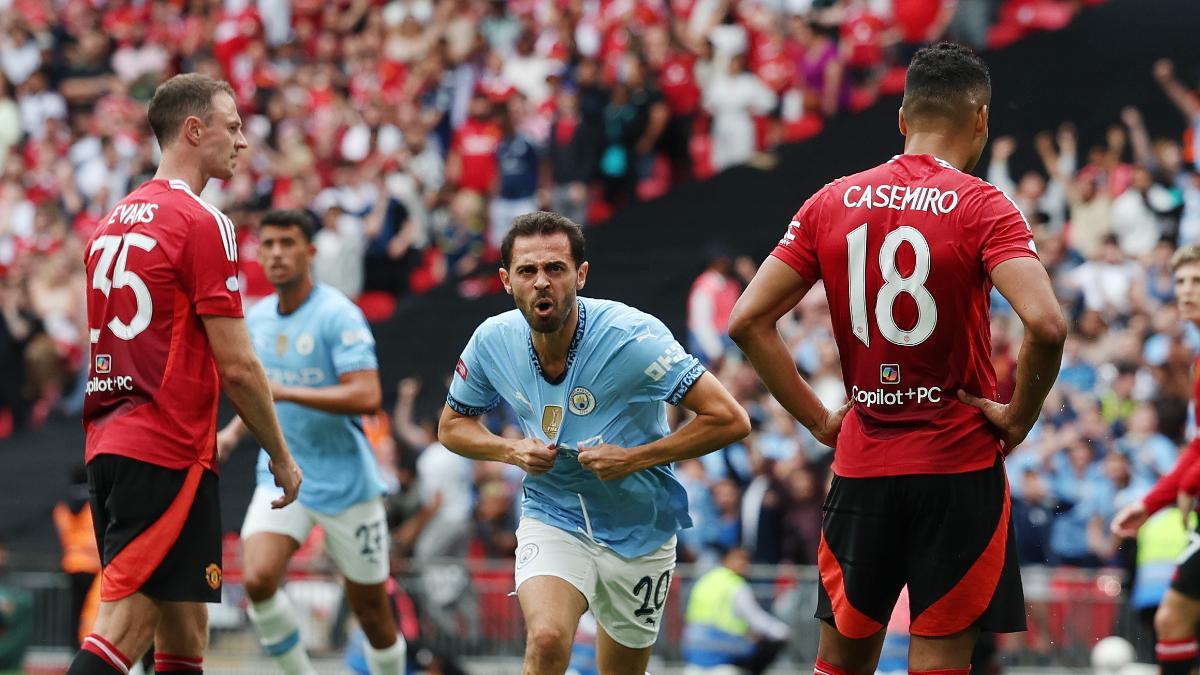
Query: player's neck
[(293, 295), (938, 144), (552, 348), (173, 167)]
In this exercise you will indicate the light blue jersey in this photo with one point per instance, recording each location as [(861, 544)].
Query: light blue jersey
[(622, 368), (326, 337)]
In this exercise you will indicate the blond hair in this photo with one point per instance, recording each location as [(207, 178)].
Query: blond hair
[(1186, 255)]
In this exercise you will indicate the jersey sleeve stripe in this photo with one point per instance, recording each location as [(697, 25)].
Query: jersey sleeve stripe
[(470, 410), (1010, 201), (224, 225), (685, 384), (232, 237)]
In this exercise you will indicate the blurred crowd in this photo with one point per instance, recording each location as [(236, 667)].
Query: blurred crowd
[(414, 130), (1107, 214)]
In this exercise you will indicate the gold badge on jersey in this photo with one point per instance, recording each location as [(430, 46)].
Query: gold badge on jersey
[(551, 420), (280, 345)]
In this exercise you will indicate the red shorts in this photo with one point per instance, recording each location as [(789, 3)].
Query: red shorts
[(158, 530), (949, 537)]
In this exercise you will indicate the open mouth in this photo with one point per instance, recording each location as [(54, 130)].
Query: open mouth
[(543, 306)]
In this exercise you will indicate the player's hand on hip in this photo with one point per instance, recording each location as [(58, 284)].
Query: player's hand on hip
[(1012, 432), (827, 429), (608, 462), (1129, 519), (287, 476), (533, 456)]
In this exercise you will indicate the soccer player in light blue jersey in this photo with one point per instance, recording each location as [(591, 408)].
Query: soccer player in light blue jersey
[(590, 381), (319, 354)]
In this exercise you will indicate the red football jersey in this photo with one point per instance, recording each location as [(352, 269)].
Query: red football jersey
[(477, 143), (905, 250), (162, 259)]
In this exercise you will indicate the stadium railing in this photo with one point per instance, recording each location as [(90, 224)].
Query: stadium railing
[(464, 608)]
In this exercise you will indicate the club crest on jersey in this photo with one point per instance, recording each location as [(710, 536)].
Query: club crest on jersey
[(582, 401), (103, 364), (212, 574), (552, 416), (304, 344), (280, 345), (889, 373)]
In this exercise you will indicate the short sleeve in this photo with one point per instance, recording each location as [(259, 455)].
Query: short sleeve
[(1006, 234), (471, 392), (798, 247), (352, 345), (209, 266), (660, 367)]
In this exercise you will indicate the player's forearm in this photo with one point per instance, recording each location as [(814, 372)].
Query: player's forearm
[(1037, 367), (1181, 97), (1166, 489), (339, 399), (700, 436), (250, 393), (769, 355), (406, 429), (236, 428), (466, 436)]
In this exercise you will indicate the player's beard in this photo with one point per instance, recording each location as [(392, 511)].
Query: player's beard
[(553, 322)]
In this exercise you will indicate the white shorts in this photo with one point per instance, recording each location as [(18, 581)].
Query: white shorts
[(625, 595), (357, 538)]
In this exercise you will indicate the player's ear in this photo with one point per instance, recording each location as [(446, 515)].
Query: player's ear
[(903, 124), (193, 129), (582, 276), (981, 120), (505, 280)]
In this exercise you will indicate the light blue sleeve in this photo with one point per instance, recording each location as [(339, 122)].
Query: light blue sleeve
[(471, 391), (351, 343), (659, 367)]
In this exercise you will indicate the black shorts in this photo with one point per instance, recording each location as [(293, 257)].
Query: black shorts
[(158, 530), (949, 537), (1186, 579)]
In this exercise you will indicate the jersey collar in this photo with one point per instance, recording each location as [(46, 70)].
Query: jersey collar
[(571, 351), (937, 160)]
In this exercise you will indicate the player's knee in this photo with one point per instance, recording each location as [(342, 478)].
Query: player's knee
[(547, 640), (183, 634), (1170, 622), (259, 584)]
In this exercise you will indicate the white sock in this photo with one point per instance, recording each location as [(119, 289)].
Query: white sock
[(389, 660), (274, 621)]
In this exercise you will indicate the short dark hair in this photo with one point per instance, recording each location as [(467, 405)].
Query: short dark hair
[(542, 223), (944, 80), (181, 97), (290, 218)]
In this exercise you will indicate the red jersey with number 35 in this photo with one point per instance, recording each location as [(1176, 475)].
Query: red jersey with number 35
[(905, 251), (162, 259)]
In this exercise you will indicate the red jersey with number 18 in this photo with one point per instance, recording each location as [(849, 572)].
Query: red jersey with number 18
[(905, 251), (162, 259)]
